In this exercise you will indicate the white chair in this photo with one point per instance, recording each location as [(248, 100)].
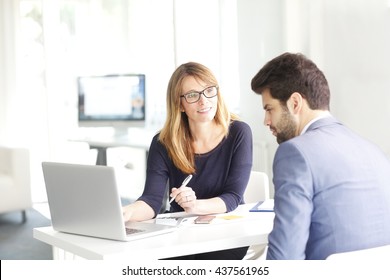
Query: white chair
[(15, 185), (256, 190), (373, 254), (130, 170)]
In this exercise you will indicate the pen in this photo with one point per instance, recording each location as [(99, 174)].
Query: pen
[(185, 182)]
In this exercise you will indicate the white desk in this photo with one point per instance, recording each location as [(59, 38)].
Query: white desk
[(100, 140), (250, 229)]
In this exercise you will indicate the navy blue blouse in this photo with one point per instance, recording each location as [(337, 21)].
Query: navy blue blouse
[(223, 172)]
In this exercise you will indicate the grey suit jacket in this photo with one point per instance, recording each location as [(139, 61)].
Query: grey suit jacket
[(332, 194)]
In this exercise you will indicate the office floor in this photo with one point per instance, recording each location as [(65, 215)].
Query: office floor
[(16, 237)]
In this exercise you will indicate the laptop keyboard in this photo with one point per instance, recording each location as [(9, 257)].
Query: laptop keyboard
[(133, 230)]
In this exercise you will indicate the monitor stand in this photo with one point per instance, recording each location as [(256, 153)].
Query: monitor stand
[(121, 132)]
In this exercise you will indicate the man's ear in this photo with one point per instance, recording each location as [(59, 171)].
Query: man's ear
[(295, 102)]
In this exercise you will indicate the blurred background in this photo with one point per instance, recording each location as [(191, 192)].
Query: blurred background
[(46, 44)]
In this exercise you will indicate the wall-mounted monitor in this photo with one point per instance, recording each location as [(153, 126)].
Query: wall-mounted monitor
[(116, 101)]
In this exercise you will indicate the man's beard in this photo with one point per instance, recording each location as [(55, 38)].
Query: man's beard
[(285, 128)]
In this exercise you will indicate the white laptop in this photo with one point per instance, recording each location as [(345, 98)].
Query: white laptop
[(83, 199)]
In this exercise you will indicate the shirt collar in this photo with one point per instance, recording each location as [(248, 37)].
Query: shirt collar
[(322, 115)]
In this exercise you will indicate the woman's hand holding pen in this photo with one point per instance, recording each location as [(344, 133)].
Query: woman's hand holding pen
[(185, 197)]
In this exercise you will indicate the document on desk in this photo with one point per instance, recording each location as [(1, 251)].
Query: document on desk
[(190, 220), (263, 206), (173, 221)]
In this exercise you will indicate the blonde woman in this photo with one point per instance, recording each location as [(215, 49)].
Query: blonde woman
[(202, 138)]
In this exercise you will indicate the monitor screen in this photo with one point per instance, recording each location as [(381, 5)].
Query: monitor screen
[(111, 100)]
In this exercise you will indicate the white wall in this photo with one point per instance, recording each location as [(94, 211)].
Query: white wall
[(357, 64), (349, 40), (260, 37)]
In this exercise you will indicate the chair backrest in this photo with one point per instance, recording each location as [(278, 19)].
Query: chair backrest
[(372, 254), (15, 185), (257, 188)]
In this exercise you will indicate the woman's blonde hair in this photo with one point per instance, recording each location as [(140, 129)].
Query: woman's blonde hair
[(176, 135)]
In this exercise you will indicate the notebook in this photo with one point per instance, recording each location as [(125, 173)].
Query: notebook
[(84, 200), (263, 206)]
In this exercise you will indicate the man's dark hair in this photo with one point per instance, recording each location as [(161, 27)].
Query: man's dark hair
[(289, 73)]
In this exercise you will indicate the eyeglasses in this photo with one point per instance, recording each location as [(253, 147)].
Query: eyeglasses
[(194, 96)]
